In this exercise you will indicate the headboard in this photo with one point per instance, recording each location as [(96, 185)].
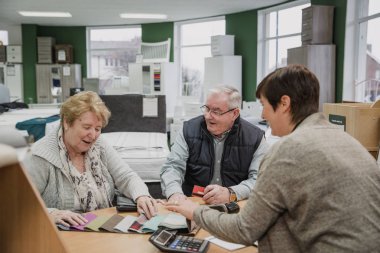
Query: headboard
[(127, 114)]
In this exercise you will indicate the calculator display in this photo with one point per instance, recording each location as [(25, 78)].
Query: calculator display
[(163, 237)]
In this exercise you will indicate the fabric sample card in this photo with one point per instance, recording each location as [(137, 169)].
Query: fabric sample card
[(174, 221), (138, 224), (111, 223), (125, 224), (95, 224), (152, 225), (89, 217)]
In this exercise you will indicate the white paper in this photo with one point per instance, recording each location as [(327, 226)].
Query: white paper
[(224, 244), (61, 55), (150, 107), (11, 70), (66, 70)]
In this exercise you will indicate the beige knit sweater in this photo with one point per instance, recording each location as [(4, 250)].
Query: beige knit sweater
[(318, 190)]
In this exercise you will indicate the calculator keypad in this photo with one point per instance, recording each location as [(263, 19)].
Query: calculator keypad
[(186, 243)]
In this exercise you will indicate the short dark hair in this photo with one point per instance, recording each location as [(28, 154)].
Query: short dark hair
[(295, 81)]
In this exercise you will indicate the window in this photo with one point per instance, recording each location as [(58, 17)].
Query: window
[(110, 49), (3, 37), (193, 45), (279, 28), (368, 51)]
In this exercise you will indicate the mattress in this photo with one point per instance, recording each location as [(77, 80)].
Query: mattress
[(13, 116), (144, 152)]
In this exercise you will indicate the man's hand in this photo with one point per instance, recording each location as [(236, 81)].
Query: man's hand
[(147, 206), (68, 218), (177, 197), (216, 194)]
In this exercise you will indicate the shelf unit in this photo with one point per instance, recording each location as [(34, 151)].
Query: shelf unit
[(56, 75), (320, 59)]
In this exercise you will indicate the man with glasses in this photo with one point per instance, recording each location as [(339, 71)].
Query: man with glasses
[(218, 151)]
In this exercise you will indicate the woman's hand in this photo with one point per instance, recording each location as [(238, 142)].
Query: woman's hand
[(185, 207), (68, 218), (147, 206), (177, 197)]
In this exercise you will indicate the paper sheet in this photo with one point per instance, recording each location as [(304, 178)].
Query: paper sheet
[(224, 244), (150, 107), (66, 70)]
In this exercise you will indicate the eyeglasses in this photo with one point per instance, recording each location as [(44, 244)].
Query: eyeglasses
[(206, 109)]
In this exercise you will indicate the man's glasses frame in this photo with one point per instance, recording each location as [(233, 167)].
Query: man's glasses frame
[(206, 109)]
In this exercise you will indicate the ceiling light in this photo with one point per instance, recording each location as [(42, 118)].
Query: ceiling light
[(143, 15), (45, 14)]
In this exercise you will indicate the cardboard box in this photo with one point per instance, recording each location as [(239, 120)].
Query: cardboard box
[(222, 45), (360, 120), (63, 53)]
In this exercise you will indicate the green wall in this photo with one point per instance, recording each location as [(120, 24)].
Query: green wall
[(244, 26), (340, 12), (29, 52), (76, 36), (157, 32)]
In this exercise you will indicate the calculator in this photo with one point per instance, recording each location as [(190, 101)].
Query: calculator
[(168, 241)]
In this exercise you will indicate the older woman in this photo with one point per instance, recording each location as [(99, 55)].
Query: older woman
[(76, 171)]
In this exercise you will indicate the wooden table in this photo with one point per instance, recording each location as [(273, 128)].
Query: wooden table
[(94, 242)]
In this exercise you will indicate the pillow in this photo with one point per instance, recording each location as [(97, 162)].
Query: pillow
[(12, 137)]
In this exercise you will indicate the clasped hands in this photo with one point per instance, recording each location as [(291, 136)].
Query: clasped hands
[(213, 194)]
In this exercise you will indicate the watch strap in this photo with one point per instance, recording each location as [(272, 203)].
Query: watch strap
[(233, 196)]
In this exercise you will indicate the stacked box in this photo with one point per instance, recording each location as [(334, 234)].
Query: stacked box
[(360, 120), (63, 53), (3, 54), (45, 49), (222, 45), (14, 54)]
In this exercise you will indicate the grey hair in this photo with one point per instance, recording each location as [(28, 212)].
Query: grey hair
[(234, 98)]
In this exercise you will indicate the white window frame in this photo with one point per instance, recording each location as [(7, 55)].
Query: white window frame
[(352, 75), (88, 43), (178, 43), (262, 50)]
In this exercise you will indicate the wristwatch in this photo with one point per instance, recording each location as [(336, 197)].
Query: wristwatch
[(233, 196)]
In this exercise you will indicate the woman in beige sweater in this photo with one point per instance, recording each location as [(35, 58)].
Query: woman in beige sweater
[(318, 189)]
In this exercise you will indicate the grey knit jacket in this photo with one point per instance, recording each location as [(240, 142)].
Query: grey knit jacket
[(45, 168)]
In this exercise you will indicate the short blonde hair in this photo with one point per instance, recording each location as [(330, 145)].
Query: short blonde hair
[(82, 102)]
